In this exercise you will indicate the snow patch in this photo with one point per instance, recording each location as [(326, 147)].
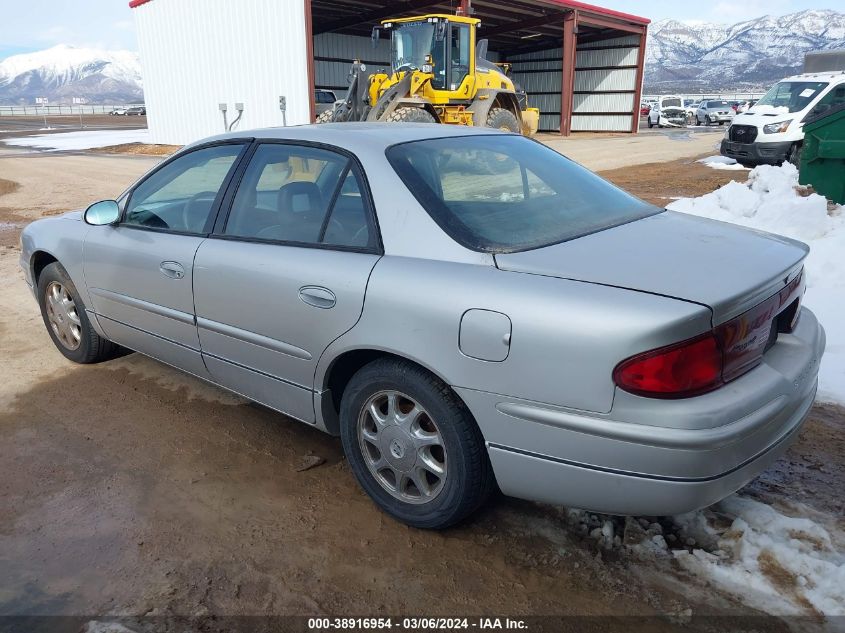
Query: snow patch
[(80, 140), (771, 200), (779, 563), (722, 162)]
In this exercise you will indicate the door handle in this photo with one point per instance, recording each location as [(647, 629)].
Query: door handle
[(174, 270), (317, 296)]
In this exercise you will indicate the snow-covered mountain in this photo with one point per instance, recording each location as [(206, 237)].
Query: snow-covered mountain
[(687, 57), (64, 72)]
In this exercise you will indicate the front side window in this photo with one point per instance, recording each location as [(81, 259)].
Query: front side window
[(508, 193), (180, 196), (792, 95), (298, 194)]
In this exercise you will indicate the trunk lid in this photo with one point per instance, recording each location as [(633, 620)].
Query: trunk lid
[(722, 266)]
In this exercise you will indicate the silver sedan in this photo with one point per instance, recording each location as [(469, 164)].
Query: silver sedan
[(466, 309)]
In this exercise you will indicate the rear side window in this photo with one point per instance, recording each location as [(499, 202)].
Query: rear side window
[(503, 193), (304, 195)]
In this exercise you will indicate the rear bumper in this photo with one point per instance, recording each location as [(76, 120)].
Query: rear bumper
[(614, 465), (756, 153)]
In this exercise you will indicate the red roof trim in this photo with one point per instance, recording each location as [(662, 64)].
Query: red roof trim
[(583, 6), (571, 4)]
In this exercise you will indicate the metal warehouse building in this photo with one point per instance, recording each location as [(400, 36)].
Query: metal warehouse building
[(580, 64)]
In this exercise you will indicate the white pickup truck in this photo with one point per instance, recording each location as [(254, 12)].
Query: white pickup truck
[(772, 130), (669, 111)]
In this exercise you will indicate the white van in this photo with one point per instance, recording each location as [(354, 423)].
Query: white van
[(772, 130)]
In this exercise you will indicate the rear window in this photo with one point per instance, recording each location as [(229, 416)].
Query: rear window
[(503, 193)]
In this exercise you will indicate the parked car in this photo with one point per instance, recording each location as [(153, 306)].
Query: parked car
[(745, 106), (460, 327), (644, 109), (690, 107), (772, 131), (325, 100), (136, 111), (668, 111), (119, 111), (714, 111)]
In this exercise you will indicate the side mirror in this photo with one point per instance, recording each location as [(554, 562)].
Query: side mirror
[(440, 30), (102, 213)]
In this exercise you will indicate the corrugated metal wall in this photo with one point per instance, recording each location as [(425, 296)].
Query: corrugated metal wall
[(198, 53), (334, 53), (605, 84), (539, 74)]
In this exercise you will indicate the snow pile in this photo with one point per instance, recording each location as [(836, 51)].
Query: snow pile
[(80, 140), (779, 563), (769, 201), (721, 162)]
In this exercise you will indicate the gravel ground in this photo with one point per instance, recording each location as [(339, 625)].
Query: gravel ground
[(130, 488)]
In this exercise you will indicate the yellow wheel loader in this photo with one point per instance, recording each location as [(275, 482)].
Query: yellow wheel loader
[(439, 74)]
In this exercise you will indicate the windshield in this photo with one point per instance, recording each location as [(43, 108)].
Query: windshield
[(671, 103), (793, 95), (717, 104), (503, 193), (412, 41)]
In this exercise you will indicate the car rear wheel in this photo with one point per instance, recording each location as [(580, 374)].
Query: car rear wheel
[(66, 321), (413, 446)]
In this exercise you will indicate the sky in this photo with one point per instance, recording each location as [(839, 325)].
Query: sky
[(31, 25)]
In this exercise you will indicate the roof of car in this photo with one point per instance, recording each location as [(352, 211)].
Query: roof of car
[(354, 134)]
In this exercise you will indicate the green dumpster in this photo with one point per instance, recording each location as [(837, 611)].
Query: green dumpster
[(823, 154)]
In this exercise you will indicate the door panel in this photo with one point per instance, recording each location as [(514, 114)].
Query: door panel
[(250, 313), (128, 285)]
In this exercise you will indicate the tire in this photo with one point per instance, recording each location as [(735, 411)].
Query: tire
[(325, 116), (707, 120), (794, 155), (467, 480), (650, 124), (90, 346), (721, 123), (502, 119), (410, 114)]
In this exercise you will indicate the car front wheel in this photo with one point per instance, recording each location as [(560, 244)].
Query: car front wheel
[(413, 446), (66, 320)]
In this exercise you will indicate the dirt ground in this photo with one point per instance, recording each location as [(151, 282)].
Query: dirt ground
[(148, 149), (131, 488), (662, 182)]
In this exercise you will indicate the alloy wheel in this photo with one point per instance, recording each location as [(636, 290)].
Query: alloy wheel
[(63, 316), (402, 447)]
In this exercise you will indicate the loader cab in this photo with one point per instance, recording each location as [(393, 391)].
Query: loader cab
[(443, 45)]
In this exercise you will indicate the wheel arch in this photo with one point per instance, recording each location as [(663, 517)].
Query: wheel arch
[(39, 260), (339, 372), (509, 102)]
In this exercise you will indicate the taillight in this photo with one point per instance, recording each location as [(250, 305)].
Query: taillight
[(681, 370), (706, 362)]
